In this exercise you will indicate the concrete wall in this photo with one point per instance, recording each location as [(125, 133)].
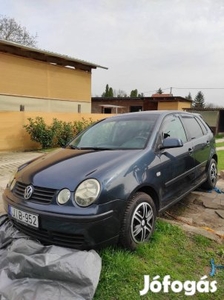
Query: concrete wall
[(13, 137), (210, 116), (14, 103)]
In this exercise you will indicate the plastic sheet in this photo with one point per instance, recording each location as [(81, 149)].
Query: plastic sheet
[(29, 270)]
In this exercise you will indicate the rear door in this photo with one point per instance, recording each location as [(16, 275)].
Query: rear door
[(201, 137)]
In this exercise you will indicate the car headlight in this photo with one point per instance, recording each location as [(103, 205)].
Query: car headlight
[(63, 196), (87, 192)]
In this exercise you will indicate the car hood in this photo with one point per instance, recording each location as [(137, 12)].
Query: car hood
[(67, 167)]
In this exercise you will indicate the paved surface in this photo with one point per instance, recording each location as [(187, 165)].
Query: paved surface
[(220, 141), (9, 162), (200, 212)]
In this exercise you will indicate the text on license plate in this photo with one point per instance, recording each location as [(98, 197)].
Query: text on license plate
[(24, 217)]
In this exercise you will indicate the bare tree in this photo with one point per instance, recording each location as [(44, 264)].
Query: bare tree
[(212, 105), (121, 93), (12, 31)]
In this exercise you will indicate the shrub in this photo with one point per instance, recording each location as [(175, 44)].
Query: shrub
[(40, 132), (81, 125), (58, 134), (63, 132)]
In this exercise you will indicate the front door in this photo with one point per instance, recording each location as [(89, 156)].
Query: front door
[(177, 166)]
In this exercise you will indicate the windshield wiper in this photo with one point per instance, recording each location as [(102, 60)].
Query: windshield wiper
[(90, 148), (74, 147), (95, 148)]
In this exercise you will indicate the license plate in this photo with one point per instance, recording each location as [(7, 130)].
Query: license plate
[(24, 217)]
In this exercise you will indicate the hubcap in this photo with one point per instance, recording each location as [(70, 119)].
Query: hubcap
[(213, 173), (142, 222)]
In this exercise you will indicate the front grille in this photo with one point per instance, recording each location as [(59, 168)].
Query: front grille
[(52, 237), (40, 194)]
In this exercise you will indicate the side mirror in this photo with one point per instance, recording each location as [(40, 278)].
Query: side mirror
[(171, 143)]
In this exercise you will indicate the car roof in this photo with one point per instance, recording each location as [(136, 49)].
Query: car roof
[(147, 113)]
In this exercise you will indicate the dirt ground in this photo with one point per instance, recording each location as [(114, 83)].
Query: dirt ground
[(201, 212)]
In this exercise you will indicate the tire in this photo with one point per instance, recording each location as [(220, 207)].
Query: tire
[(139, 221), (212, 175)]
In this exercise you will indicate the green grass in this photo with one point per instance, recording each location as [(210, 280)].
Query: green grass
[(219, 144), (170, 252), (220, 160), (219, 136)]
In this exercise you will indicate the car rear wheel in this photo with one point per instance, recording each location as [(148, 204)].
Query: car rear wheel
[(212, 174), (139, 221)]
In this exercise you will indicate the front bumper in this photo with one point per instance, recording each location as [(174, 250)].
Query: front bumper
[(79, 232)]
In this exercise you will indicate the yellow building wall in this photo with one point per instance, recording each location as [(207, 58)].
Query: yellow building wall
[(183, 105), (173, 105), (29, 77), (13, 137)]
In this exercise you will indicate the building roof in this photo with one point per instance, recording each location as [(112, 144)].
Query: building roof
[(46, 56), (161, 95), (111, 106), (160, 98)]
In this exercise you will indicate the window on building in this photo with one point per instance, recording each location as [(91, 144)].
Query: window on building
[(107, 110)]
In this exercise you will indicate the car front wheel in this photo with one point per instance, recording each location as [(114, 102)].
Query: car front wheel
[(139, 221), (212, 175)]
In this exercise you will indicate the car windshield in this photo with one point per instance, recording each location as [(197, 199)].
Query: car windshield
[(112, 133)]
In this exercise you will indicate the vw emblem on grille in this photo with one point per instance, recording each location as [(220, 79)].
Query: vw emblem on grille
[(28, 192)]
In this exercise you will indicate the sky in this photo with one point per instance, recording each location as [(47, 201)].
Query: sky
[(175, 45)]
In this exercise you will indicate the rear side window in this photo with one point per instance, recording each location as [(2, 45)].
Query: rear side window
[(203, 125), (193, 127)]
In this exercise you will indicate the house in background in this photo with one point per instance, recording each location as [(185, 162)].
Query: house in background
[(37, 80), (126, 104)]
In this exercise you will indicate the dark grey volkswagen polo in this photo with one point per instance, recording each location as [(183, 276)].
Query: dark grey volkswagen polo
[(112, 180)]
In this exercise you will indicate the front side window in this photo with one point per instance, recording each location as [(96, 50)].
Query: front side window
[(112, 133), (172, 127)]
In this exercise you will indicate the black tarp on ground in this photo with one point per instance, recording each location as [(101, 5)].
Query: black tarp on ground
[(31, 271)]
